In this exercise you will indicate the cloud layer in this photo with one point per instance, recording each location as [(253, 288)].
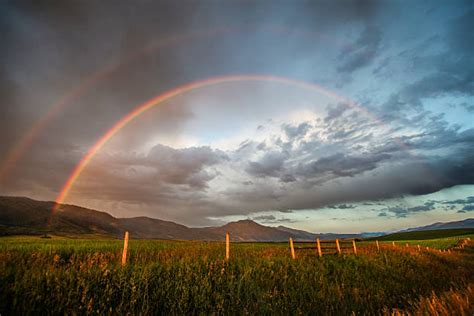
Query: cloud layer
[(245, 148)]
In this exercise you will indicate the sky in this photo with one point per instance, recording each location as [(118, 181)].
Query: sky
[(347, 116)]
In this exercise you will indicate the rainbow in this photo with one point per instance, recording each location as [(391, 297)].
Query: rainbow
[(179, 91), (79, 90), (14, 155)]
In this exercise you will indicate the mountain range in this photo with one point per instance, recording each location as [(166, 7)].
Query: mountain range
[(467, 223), (24, 216)]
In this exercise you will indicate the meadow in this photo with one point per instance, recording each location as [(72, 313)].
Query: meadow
[(84, 276)]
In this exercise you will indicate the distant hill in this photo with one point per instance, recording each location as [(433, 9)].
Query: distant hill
[(24, 216), (425, 234), (467, 223), (436, 230), (20, 215), (301, 234), (247, 230), (150, 228)]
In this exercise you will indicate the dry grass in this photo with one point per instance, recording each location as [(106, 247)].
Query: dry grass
[(452, 302), (162, 277)]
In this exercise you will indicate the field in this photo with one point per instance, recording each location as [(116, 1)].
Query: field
[(427, 234), (84, 276)]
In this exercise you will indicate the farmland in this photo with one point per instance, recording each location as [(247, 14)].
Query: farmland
[(64, 276), (427, 234)]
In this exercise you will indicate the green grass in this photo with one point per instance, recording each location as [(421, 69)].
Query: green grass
[(62, 276), (436, 243), (427, 234)]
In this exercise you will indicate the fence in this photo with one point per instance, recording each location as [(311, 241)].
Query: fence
[(321, 247), (326, 247)]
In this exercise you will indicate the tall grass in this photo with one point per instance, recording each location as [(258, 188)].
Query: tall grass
[(162, 277)]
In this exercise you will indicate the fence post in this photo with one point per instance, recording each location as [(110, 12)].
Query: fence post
[(338, 247), (318, 245), (377, 244), (393, 244), (125, 248), (292, 249), (354, 246), (227, 246), (419, 248), (406, 245)]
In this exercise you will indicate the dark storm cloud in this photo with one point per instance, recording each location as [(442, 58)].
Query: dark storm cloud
[(469, 200), (453, 76), (401, 211), (270, 219), (362, 52), (405, 177), (451, 72), (468, 107), (261, 146), (292, 131), (154, 182), (286, 220), (342, 206), (180, 166), (468, 208), (381, 67), (444, 173), (287, 178), (264, 218), (51, 47), (402, 174), (460, 34), (270, 165), (341, 165), (335, 111)]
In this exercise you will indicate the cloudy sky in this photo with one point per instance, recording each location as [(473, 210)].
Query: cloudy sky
[(370, 126)]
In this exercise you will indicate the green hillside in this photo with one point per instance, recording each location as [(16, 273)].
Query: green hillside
[(425, 234)]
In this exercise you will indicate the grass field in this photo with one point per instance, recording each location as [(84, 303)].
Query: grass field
[(67, 276), (426, 234), (435, 242)]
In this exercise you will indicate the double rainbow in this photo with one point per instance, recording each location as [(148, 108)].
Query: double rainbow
[(137, 111)]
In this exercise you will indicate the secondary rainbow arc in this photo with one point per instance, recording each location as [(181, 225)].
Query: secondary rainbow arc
[(26, 141)]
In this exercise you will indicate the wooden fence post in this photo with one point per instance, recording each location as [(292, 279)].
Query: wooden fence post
[(377, 244), (125, 248), (227, 246), (338, 247), (393, 244), (406, 245), (419, 248), (354, 246), (292, 249), (318, 244)]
